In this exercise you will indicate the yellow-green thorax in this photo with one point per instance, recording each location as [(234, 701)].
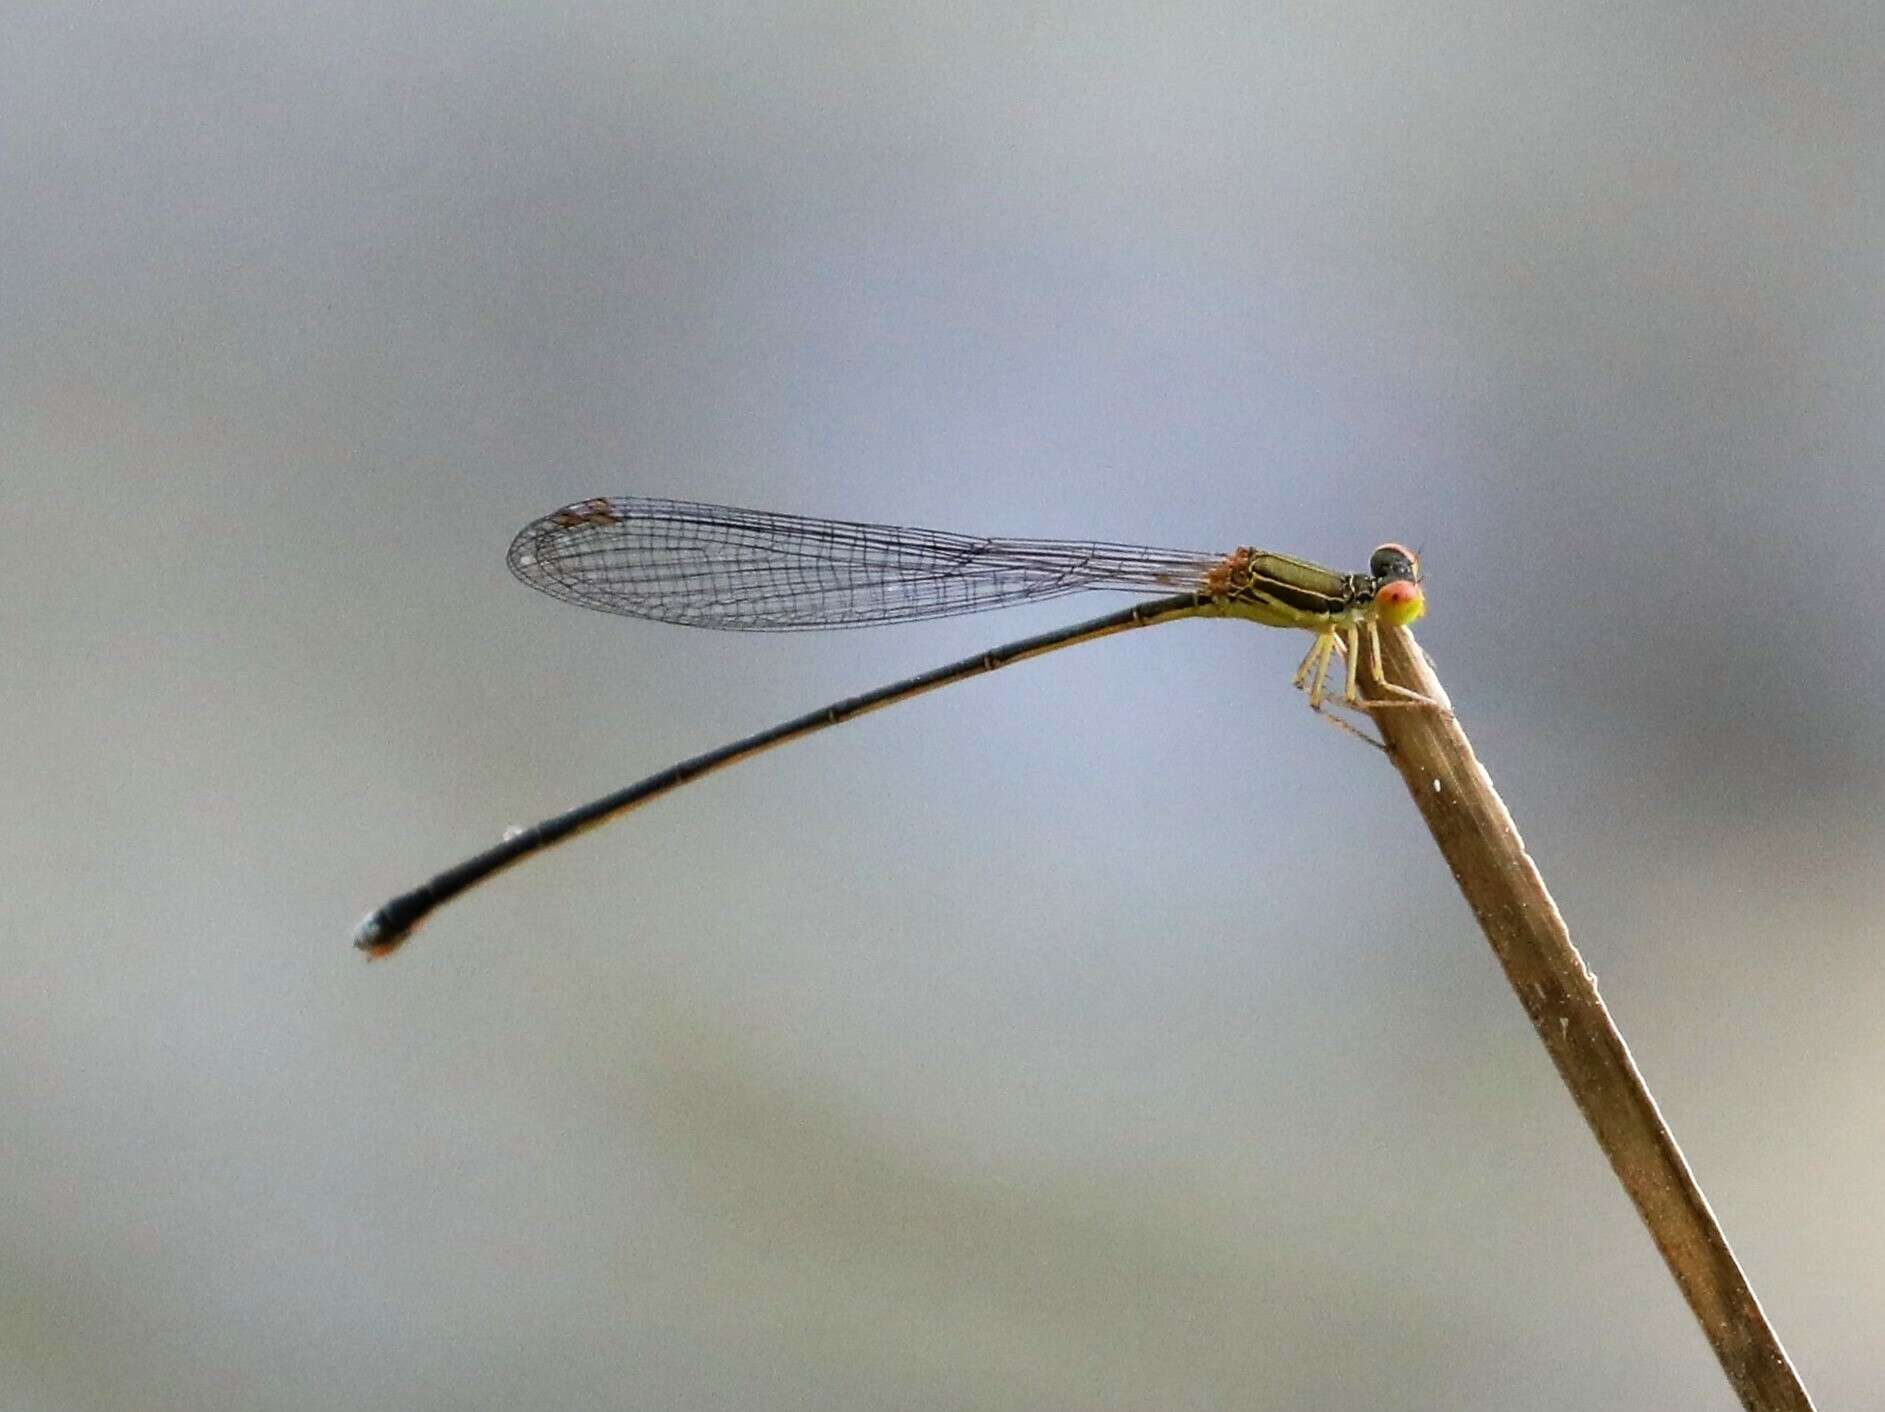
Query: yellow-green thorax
[(1279, 591)]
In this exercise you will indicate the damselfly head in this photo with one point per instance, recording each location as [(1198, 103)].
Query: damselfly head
[(1394, 561), (1397, 596)]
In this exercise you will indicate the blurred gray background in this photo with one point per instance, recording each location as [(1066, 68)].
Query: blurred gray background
[(1104, 1034)]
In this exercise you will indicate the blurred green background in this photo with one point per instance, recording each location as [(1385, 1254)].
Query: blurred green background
[(1105, 1034)]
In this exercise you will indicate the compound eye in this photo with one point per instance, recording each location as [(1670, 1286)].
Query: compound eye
[(1395, 561)]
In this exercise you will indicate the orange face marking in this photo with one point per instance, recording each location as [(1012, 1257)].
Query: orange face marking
[(1399, 602)]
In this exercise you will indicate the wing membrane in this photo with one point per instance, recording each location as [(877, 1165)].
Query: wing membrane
[(751, 571)]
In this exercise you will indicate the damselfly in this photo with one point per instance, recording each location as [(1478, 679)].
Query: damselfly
[(750, 571)]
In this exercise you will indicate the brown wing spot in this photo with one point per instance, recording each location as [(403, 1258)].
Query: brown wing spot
[(1228, 574), (587, 512)]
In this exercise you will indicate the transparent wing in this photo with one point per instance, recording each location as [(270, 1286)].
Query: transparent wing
[(748, 570)]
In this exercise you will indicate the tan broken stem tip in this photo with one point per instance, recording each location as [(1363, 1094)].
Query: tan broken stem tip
[(1502, 885)]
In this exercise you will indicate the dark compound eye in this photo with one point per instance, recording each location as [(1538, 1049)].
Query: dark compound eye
[(1394, 561)]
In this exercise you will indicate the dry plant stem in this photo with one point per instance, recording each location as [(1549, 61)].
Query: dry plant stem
[(1477, 837)]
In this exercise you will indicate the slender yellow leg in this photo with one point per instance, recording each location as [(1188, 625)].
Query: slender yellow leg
[(1313, 674), (1308, 662), (1326, 644), (1408, 698)]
